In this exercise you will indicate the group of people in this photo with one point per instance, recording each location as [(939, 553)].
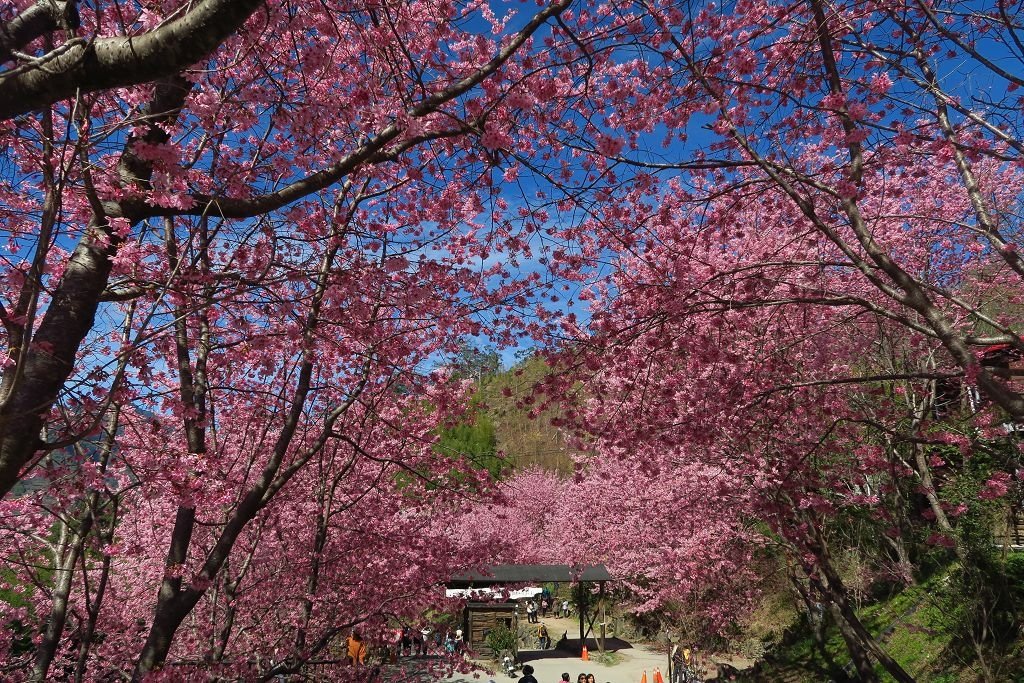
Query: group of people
[(453, 642), (410, 641), (687, 665), (528, 677), (536, 610)]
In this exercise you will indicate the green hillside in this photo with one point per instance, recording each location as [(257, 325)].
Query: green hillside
[(914, 625), (508, 427)]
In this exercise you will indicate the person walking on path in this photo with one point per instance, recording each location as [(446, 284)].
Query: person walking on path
[(543, 639), (406, 641), (544, 604), (399, 632)]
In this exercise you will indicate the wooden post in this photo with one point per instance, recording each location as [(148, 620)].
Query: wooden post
[(515, 630), (583, 613), (604, 615)]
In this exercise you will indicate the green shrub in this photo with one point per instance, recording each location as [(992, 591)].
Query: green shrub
[(500, 639), (1015, 572), (607, 658)]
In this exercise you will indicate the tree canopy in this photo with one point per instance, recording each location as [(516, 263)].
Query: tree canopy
[(769, 251)]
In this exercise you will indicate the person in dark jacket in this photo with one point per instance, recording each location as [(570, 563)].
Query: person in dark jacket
[(528, 676)]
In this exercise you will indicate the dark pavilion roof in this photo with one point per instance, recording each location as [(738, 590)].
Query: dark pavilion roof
[(529, 573)]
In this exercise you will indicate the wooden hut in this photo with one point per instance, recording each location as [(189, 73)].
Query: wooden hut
[(480, 617)]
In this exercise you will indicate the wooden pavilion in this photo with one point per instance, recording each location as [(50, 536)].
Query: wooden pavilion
[(479, 616)]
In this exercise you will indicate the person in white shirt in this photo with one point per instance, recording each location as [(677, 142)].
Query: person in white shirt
[(424, 640)]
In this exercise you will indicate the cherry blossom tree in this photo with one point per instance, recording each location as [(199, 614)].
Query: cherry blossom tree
[(667, 542), (237, 137), (290, 227), (238, 231), (895, 169), (832, 189)]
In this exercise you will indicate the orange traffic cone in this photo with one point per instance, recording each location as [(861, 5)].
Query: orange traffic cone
[(643, 679), (585, 656), (657, 676)]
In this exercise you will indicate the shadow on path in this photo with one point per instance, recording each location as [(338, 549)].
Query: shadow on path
[(570, 649)]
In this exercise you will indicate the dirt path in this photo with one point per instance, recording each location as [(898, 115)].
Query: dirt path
[(630, 661)]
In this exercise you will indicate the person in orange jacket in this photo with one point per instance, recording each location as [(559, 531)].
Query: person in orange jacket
[(356, 649)]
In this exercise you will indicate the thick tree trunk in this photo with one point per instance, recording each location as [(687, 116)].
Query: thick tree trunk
[(169, 614), (51, 356), (942, 521), (175, 603), (924, 472), (30, 388), (817, 616), (173, 606), (87, 66), (906, 567)]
